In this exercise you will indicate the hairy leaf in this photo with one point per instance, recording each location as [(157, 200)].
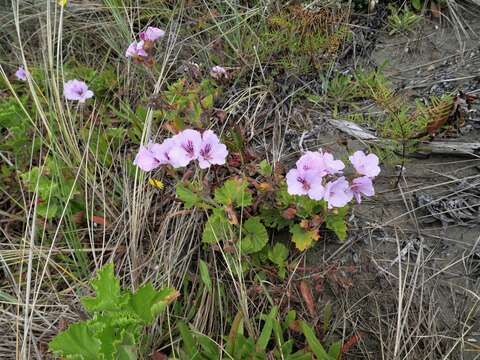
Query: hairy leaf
[(303, 239), (147, 302), (77, 342), (217, 228), (234, 192), (108, 293), (336, 222), (188, 197), (254, 237)]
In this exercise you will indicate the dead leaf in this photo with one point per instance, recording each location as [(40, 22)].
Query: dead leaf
[(435, 9), (351, 341), (289, 213), (232, 215), (157, 355), (100, 220), (306, 292)]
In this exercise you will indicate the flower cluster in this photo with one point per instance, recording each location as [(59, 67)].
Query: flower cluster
[(319, 176), (140, 51), (182, 148)]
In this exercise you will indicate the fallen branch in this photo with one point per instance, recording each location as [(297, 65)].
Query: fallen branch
[(432, 147)]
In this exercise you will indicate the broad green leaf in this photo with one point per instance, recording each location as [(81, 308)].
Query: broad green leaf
[(273, 218), (254, 236), (278, 255), (126, 349), (77, 342), (205, 275), (108, 294), (265, 168), (336, 222), (303, 239), (314, 343), (114, 330), (188, 197), (217, 228), (233, 192), (48, 210), (148, 303)]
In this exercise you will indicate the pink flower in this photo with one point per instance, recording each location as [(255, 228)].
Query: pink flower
[(187, 148), (152, 34), (76, 90), (218, 72), (135, 49), (212, 151), (302, 182), (146, 159), (312, 161), (162, 151), (332, 166), (365, 164), (21, 74), (362, 185), (337, 193)]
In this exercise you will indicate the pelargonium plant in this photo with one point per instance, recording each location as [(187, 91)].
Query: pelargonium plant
[(319, 176), (184, 147)]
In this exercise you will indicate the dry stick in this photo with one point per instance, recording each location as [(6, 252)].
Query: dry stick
[(433, 147)]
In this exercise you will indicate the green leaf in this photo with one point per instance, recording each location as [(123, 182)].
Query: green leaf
[(114, 331), (77, 342), (303, 239), (189, 345), (147, 303), (205, 275), (266, 333), (314, 343), (209, 347), (108, 293), (207, 101), (265, 169), (335, 349), (327, 317), (254, 237), (233, 192), (217, 228), (48, 210), (273, 218), (336, 222), (417, 4), (278, 255), (188, 197)]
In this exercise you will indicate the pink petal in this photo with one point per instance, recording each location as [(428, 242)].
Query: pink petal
[(145, 159), (294, 187)]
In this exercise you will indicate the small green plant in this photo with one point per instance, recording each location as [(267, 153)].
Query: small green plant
[(402, 20), (16, 129), (118, 318), (186, 104), (56, 188), (270, 344)]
